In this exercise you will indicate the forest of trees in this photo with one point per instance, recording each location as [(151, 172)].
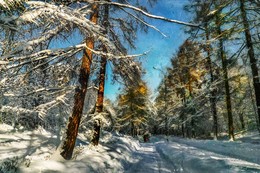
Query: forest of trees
[(212, 85), (54, 55)]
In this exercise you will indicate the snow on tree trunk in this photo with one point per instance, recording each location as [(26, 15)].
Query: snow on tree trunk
[(102, 76), (80, 92)]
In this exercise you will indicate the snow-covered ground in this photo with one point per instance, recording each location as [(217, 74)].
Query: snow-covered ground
[(32, 152), (189, 156), (35, 151), (199, 156)]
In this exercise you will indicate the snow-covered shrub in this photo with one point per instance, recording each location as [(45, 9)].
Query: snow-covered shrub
[(9, 165)]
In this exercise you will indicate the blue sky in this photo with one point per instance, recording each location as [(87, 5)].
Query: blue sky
[(160, 49)]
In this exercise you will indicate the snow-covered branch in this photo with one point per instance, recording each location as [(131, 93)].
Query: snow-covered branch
[(33, 92), (50, 11), (15, 109), (55, 53), (150, 15), (111, 56), (8, 4), (31, 44), (43, 108)]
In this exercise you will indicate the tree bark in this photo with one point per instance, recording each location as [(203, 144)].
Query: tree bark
[(102, 77), (165, 108), (212, 92), (183, 124), (252, 58), (225, 75), (132, 129), (100, 100), (183, 130), (242, 121), (80, 92)]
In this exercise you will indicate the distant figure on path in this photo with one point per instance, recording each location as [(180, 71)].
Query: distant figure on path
[(146, 136)]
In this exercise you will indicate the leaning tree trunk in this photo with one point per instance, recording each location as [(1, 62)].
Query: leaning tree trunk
[(213, 91), (102, 77), (225, 75), (80, 92), (252, 58)]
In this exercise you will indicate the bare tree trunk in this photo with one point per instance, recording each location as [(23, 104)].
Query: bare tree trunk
[(80, 92), (132, 129), (183, 130), (253, 60), (251, 90), (102, 77), (225, 74), (242, 121), (100, 99), (183, 123), (165, 109), (192, 124), (212, 92)]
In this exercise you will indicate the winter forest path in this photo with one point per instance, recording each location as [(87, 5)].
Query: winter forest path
[(150, 161), (177, 156)]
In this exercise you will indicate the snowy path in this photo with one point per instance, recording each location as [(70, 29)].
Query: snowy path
[(187, 158), (165, 157), (149, 161)]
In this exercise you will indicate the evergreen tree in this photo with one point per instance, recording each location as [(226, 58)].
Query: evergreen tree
[(184, 81), (133, 113), (201, 9), (162, 103)]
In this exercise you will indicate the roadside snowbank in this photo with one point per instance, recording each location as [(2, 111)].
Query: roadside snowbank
[(246, 147), (188, 155), (30, 152)]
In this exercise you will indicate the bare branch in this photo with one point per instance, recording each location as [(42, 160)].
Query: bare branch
[(145, 23), (150, 15)]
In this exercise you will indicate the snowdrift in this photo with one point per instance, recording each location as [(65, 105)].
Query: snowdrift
[(30, 152)]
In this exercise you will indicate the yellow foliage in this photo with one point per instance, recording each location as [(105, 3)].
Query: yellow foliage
[(132, 104), (142, 89)]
